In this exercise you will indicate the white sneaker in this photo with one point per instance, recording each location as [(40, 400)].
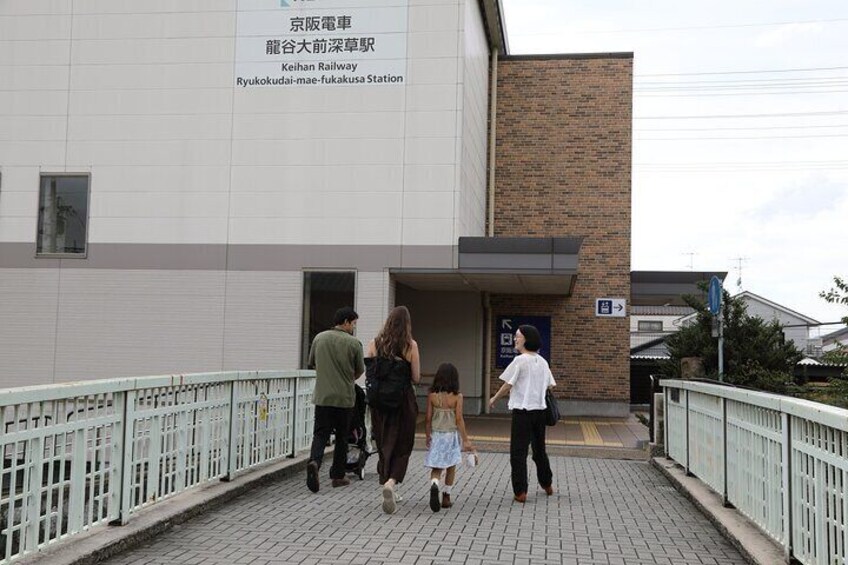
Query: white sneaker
[(389, 501)]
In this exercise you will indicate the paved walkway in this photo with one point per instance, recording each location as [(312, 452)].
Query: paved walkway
[(604, 512)]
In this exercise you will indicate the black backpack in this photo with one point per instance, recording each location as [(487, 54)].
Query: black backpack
[(386, 382)]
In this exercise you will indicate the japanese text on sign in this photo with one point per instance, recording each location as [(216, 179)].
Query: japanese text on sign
[(320, 42)]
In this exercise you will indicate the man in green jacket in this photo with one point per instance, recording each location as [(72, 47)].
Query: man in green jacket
[(336, 357)]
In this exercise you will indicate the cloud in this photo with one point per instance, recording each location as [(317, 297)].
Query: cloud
[(803, 201), (785, 34)]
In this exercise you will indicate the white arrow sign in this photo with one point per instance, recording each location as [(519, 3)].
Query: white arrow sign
[(506, 324), (610, 307)]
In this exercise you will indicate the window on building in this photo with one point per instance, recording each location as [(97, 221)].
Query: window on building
[(650, 326), (62, 214), (323, 293)]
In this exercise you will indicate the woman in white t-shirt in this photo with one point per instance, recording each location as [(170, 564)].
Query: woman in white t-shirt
[(526, 380)]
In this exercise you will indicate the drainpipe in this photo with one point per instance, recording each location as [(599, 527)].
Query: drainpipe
[(487, 353), (493, 106), (490, 229)]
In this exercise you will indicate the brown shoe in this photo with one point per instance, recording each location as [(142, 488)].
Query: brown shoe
[(446, 501), (343, 482), (549, 490), (521, 497)]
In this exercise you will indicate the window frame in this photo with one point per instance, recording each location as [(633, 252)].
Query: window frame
[(651, 330), (63, 255)]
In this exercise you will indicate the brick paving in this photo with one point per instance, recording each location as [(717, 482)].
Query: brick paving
[(604, 512)]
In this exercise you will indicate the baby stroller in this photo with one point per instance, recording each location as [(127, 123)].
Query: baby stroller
[(358, 439)]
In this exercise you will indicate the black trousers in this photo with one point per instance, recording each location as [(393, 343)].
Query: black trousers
[(328, 420), (528, 429)]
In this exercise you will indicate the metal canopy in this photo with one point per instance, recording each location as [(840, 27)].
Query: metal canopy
[(503, 265), (456, 280)]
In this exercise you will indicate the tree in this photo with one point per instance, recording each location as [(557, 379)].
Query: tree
[(837, 294), (756, 354)]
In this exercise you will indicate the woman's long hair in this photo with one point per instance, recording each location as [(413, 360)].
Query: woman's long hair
[(396, 336)]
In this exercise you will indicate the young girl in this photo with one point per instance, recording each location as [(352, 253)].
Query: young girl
[(444, 427)]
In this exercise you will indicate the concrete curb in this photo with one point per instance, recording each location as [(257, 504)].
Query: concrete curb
[(103, 542), (755, 546)]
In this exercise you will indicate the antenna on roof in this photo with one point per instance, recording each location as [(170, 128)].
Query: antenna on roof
[(691, 255), (738, 268)]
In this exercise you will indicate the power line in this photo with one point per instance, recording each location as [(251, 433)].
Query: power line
[(708, 166), (682, 28), (745, 137), (741, 128), (737, 171), (746, 72), (752, 81), (735, 116), (740, 166), (711, 94), (738, 85), (698, 163)]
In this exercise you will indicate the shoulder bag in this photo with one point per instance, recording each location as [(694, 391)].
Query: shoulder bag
[(551, 409)]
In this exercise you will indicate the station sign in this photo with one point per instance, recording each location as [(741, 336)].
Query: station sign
[(315, 43), (611, 307), (505, 334)]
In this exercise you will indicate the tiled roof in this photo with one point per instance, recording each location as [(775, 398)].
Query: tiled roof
[(660, 310)]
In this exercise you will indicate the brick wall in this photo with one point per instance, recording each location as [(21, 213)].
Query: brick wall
[(563, 166)]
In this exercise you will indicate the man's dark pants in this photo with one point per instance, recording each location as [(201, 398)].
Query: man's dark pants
[(331, 419), (528, 429)]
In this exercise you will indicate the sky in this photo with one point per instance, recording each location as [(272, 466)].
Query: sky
[(740, 133)]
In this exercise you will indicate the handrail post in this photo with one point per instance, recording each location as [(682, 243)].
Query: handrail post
[(294, 427), (786, 476), (686, 466), (651, 409), (666, 414), (724, 499), (32, 512), (233, 437), (123, 453)]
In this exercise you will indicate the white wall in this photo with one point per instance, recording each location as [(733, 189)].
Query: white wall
[(448, 327), (474, 81), (799, 335), (373, 301), (263, 320), (76, 324), (140, 95), (28, 302), (178, 155)]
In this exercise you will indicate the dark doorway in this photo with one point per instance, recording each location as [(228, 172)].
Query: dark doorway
[(324, 292)]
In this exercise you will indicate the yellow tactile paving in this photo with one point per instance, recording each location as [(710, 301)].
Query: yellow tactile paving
[(588, 429), (590, 434)]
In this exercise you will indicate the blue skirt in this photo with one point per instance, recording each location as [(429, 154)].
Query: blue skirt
[(445, 450)]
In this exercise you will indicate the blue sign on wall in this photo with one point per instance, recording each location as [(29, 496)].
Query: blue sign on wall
[(505, 333)]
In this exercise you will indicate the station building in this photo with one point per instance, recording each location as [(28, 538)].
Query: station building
[(197, 185)]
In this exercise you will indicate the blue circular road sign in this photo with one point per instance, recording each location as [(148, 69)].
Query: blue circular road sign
[(714, 295)]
